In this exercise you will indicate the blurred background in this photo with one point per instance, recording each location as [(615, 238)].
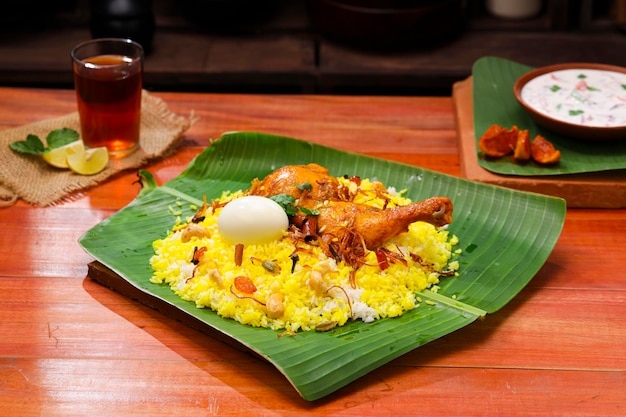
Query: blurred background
[(392, 47)]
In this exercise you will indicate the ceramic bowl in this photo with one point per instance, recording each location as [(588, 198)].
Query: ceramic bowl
[(570, 88)]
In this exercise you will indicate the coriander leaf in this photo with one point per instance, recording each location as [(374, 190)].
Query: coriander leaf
[(286, 201), (305, 186), (283, 199), (309, 212), (31, 145), (61, 137)]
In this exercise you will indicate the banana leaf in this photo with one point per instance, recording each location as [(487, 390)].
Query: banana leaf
[(505, 237), (494, 102)]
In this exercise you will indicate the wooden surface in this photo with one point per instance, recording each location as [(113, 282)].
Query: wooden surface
[(71, 347), (589, 190)]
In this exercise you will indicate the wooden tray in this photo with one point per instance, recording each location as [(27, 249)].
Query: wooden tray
[(591, 190)]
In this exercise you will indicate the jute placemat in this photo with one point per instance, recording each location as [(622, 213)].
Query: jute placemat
[(30, 178)]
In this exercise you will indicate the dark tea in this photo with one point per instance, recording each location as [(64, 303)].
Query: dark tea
[(108, 91)]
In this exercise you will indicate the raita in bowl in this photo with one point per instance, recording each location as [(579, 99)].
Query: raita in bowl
[(578, 100)]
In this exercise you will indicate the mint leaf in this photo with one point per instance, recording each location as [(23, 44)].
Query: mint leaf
[(31, 145), (61, 137), (55, 139)]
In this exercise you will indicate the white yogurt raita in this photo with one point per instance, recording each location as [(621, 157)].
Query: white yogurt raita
[(587, 97)]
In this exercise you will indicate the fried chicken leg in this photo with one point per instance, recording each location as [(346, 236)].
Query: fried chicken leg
[(373, 226)]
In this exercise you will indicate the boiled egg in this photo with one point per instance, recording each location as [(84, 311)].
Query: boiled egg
[(252, 220)]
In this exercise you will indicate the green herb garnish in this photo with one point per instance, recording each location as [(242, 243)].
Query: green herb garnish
[(555, 88), (305, 186), (288, 203), (309, 212), (575, 112), (55, 139)]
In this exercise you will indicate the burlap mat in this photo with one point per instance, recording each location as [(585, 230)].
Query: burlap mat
[(30, 178)]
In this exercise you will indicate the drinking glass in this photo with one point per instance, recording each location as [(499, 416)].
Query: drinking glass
[(108, 76)]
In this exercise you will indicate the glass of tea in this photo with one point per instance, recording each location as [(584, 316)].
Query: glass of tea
[(108, 82)]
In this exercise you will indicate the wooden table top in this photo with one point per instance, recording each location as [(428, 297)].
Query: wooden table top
[(71, 347)]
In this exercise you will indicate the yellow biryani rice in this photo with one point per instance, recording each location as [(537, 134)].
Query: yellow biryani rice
[(316, 290)]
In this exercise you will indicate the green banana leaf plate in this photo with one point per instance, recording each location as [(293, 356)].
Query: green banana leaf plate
[(505, 237), (494, 102)]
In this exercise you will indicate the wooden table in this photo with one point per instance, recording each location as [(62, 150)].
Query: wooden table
[(71, 347)]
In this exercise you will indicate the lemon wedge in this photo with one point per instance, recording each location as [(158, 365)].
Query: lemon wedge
[(57, 157), (88, 162)]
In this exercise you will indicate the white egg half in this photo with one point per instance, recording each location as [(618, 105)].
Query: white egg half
[(251, 220)]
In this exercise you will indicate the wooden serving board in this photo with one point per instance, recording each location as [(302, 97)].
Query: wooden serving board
[(590, 190), (110, 279)]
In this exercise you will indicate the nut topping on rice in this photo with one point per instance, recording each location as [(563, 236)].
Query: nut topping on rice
[(354, 250)]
